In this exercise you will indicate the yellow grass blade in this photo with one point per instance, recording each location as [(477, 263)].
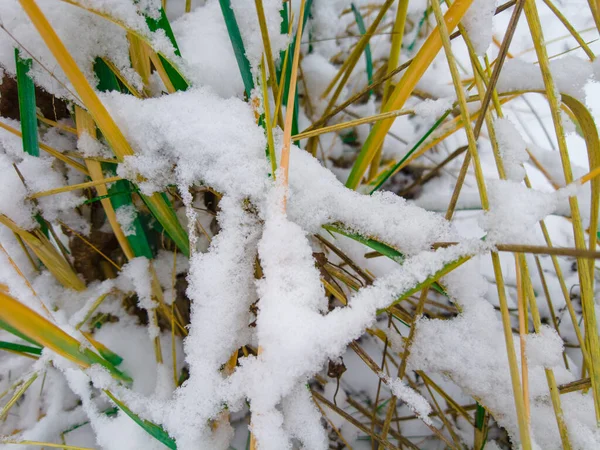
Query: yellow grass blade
[(74, 187), (85, 124), (289, 113)]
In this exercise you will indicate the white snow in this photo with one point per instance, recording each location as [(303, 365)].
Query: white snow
[(126, 216), (479, 23), (513, 149)]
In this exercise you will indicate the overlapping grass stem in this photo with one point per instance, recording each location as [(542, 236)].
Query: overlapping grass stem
[(278, 93)]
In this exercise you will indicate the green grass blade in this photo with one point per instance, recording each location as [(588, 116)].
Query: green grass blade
[(380, 247), (102, 197), (238, 46), (162, 23), (138, 241), (27, 108), (178, 81), (151, 428), (6, 327), (386, 175), (369, 59), (20, 348), (430, 281), (107, 80)]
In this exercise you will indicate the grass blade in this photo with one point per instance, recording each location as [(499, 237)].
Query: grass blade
[(285, 85), (48, 255), (387, 174), (11, 346), (27, 108), (369, 59), (238, 46), (151, 428)]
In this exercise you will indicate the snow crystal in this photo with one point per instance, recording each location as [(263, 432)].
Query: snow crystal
[(513, 149)]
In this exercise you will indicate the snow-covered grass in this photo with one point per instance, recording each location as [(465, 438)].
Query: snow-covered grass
[(319, 224)]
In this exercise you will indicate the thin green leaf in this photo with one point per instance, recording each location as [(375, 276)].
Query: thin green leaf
[(27, 108), (161, 208), (238, 46), (151, 428), (138, 241), (288, 73), (107, 80), (162, 23), (20, 348), (380, 247), (387, 174), (39, 330), (12, 330), (369, 59)]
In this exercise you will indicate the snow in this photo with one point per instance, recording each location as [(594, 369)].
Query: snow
[(515, 210), (544, 348), (209, 60), (478, 21), (513, 149), (570, 74), (188, 137), (433, 109), (126, 216), (415, 401)]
